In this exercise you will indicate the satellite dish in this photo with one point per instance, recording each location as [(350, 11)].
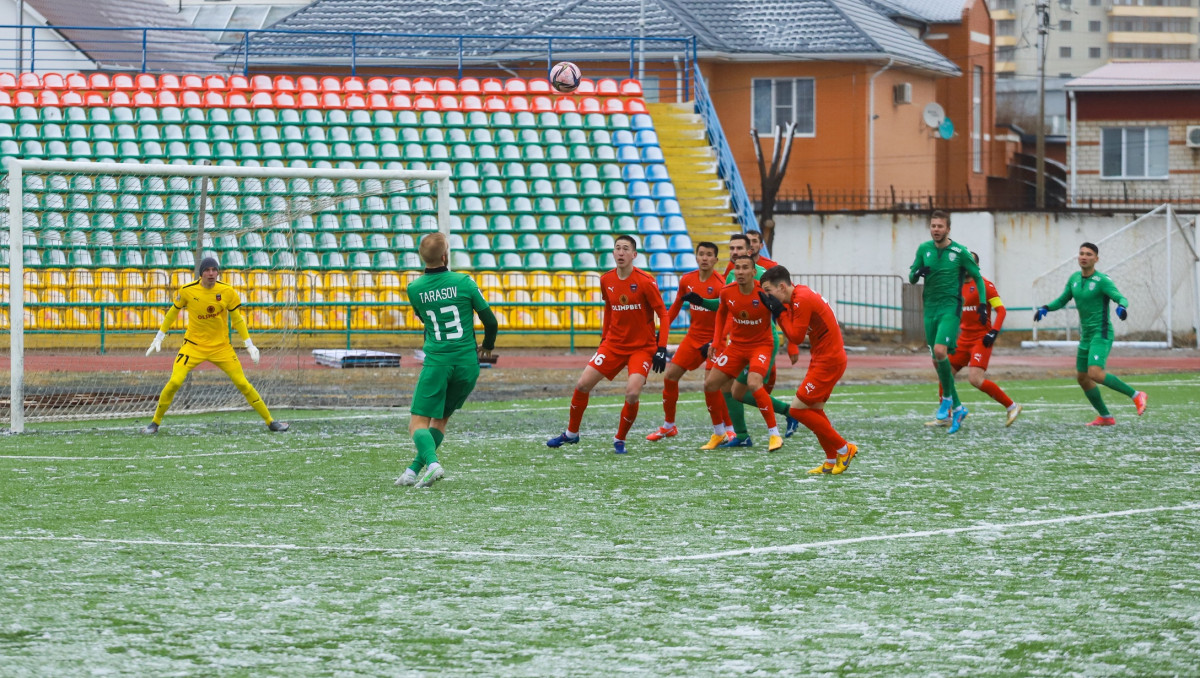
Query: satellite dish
[(946, 129), (933, 115)]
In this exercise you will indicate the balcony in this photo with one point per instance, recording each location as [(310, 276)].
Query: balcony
[(1156, 12), (1153, 38)]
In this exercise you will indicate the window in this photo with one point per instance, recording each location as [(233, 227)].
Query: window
[(1064, 52), (1150, 3), (1148, 51), (1152, 25), (977, 121), (1006, 27), (779, 101), (1006, 53), (1094, 27), (1006, 4), (1094, 52), (1064, 25), (1133, 153), (1094, 3)]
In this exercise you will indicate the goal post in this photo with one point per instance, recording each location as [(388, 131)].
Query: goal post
[(1155, 262), (93, 248)]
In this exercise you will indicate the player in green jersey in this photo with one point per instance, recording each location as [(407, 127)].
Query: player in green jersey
[(1093, 292), (447, 303), (945, 265)]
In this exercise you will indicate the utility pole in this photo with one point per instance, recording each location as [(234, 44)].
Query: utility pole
[(1043, 11)]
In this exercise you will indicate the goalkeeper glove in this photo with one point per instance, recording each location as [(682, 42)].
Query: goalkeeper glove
[(773, 305), (659, 362), (922, 272), (693, 298), (704, 350), (990, 338), (252, 350), (1040, 313), (156, 345), (1121, 312), (982, 309)]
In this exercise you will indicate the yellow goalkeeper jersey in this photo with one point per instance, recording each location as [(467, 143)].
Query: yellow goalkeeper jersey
[(208, 314)]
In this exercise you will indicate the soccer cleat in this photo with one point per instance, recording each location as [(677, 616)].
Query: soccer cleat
[(793, 425), (1013, 413), (1102, 421), (714, 441), (619, 447), (843, 460), (562, 439), (730, 435), (738, 442), (150, 429), (823, 468), (663, 432), (774, 443), (957, 418), (1139, 401), (938, 422), (432, 474), (278, 426), (943, 411), (407, 478)]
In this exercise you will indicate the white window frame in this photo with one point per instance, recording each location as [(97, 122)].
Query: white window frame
[(977, 119), (771, 130), (1124, 176)]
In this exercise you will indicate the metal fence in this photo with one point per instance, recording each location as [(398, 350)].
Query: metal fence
[(1121, 197), (865, 303)]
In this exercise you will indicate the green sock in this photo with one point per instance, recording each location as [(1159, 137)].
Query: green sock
[(946, 379), (778, 405), (1111, 381), (1097, 401), (737, 415), (438, 437), (426, 449)]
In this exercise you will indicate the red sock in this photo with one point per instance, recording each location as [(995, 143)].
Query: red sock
[(670, 398), (765, 406), (579, 401), (818, 423), (716, 407), (989, 387), (628, 416)]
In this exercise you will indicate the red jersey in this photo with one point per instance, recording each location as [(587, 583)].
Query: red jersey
[(702, 319), (630, 306), (745, 315), (970, 325), (810, 314)]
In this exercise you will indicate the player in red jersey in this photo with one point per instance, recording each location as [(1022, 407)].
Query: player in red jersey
[(631, 302), (693, 350), (975, 340), (799, 311), (751, 345), (754, 245)]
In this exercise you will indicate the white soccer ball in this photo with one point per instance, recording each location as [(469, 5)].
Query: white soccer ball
[(564, 77)]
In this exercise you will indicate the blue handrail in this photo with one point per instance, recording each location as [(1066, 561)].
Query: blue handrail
[(727, 168)]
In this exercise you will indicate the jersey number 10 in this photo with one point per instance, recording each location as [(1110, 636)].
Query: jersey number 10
[(453, 329)]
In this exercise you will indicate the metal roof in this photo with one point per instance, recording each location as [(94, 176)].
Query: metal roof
[(931, 11), (1140, 76)]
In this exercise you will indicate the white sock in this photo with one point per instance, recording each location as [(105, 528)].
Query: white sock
[(572, 434), (774, 430), (844, 449), (719, 429), (1012, 407), (668, 424)]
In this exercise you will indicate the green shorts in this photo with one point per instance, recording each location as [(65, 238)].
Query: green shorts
[(942, 328), (1092, 351), (442, 389)]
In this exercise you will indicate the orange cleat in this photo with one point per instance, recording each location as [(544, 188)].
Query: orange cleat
[(1103, 421), (1139, 401)]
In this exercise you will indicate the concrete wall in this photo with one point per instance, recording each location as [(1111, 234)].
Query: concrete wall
[(1014, 248)]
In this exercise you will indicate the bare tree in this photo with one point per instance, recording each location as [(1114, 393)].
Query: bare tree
[(772, 177)]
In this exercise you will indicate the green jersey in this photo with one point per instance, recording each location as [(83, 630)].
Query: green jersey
[(446, 302), (949, 267), (1091, 295)]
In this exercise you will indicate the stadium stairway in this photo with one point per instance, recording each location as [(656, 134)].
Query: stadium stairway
[(692, 164)]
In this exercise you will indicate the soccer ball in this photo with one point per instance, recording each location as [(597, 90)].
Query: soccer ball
[(564, 77)]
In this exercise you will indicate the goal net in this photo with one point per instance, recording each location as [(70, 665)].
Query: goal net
[(1153, 261), (96, 251)]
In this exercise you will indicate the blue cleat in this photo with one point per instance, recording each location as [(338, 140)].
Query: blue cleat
[(956, 419), (738, 442), (619, 447), (944, 409), (793, 425), (562, 439)]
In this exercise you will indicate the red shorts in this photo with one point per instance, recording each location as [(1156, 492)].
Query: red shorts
[(609, 361), (688, 355), (819, 380), (970, 352), (734, 359)]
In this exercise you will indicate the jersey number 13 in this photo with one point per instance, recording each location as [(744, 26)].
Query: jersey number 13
[(451, 329)]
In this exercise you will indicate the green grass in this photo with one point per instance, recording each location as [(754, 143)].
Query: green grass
[(216, 548)]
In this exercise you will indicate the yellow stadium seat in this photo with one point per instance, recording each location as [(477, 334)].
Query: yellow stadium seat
[(288, 319), (546, 319), (501, 318), (336, 316), (134, 296), (577, 316), (80, 295), (285, 280), (159, 295), (489, 280), (157, 277), (365, 295), (388, 281), (392, 295), (124, 319), (305, 280), (32, 280), (593, 295), (515, 281), (565, 280), (543, 296), (316, 320), (258, 295), (339, 295), (55, 277), (44, 319), (54, 295), (259, 280), (336, 280), (4, 319), (362, 280), (181, 278), (393, 319), (493, 296), (518, 296), (364, 319), (105, 296), (80, 277), (589, 280), (409, 276), (522, 319), (129, 278), (287, 295), (235, 279), (569, 296), (312, 295), (79, 319), (30, 296), (540, 280), (260, 319), (595, 319)]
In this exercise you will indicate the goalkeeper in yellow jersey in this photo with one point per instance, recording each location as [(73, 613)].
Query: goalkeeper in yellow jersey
[(209, 303)]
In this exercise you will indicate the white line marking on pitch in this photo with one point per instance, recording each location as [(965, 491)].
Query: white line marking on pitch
[(797, 548), (716, 555)]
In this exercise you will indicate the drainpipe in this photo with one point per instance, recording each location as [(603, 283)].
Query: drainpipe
[(678, 80), (1074, 148), (871, 133)]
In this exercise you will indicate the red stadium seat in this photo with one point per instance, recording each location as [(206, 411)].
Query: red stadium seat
[(585, 87), (495, 104), (378, 84), (8, 81), (96, 81), (423, 86), (307, 83), (75, 81), (143, 99), (166, 98), (284, 100), (190, 98), (119, 98), (353, 84), (566, 105), (262, 100), (215, 83), (308, 100), (237, 100), (589, 105), (354, 101), (401, 102), (214, 100), (516, 86), (614, 106), (48, 97), (608, 87), (193, 82), (285, 83), (54, 81), (445, 86), (471, 102), (542, 104), (72, 99), (262, 83), (331, 84), (238, 83), (401, 86), (517, 104), (469, 86), (145, 82), (425, 103), (378, 101), (29, 81), (169, 82), (123, 82), (492, 86), (23, 98), (540, 86), (331, 100), (5, 98), (635, 106), (447, 102), (95, 99), (631, 88)]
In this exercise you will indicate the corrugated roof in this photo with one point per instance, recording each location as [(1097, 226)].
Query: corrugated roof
[(932, 11), (119, 49), (1140, 76), (814, 28)]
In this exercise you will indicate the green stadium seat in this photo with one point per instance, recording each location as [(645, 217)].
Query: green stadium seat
[(585, 261), (332, 260), (384, 261), (526, 223)]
